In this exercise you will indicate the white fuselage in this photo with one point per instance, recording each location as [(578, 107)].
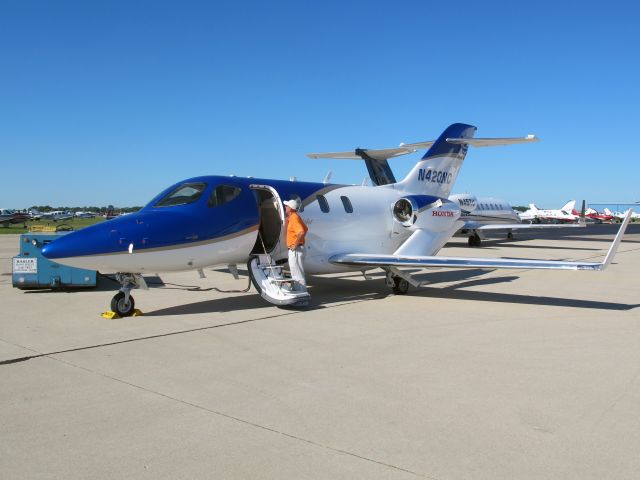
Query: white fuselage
[(369, 228)]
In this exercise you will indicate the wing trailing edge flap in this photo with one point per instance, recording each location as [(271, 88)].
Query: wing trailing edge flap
[(372, 260)]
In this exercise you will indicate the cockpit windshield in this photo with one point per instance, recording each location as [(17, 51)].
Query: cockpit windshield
[(182, 195)]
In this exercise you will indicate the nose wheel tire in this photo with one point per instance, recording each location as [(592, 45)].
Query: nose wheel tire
[(400, 286), (121, 306)]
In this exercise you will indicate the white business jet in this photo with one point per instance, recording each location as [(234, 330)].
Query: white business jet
[(215, 220)]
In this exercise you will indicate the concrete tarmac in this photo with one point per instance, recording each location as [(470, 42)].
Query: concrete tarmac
[(497, 374)]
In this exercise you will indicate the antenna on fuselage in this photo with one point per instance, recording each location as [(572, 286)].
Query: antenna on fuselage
[(327, 177)]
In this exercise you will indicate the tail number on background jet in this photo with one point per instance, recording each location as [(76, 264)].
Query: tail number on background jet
[(434, 176)]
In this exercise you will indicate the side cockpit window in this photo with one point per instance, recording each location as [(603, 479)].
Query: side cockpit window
[(322, 201), (182, 195), (223, 194), (347, 204)]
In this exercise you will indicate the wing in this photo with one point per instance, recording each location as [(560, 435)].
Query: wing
[(372, 260)]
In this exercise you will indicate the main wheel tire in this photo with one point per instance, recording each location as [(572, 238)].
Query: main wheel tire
[(474, 241), (400, 286), (122, 308)]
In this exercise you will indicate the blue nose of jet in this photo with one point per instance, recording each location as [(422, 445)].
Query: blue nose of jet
[(92, 240), (141, 230)]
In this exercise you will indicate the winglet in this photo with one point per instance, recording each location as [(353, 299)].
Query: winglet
[(616, 242)]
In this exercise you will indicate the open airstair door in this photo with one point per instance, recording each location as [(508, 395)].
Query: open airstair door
[(264, 269)]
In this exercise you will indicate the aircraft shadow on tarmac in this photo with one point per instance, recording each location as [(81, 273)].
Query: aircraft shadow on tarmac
[(331, 291), (455, 294), (253, 301), (465, 279), (325, 293)]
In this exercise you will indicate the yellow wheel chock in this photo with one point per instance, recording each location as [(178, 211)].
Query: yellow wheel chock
[(113, 315)]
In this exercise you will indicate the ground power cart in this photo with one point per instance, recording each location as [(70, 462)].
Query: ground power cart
[(31, 270)]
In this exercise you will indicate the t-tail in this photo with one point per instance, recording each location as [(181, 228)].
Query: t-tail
[(436, 172)]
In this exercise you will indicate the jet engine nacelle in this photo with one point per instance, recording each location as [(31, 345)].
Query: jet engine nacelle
[(468, 203), (417, 212)]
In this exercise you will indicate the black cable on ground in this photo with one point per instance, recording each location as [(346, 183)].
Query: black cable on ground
[(188, 288)]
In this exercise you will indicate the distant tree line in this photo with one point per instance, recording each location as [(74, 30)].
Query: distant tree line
[(92, 209)]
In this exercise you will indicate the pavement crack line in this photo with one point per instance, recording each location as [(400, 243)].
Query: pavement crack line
[(617, 400), (51, 356), (160, 335), (244, 421)]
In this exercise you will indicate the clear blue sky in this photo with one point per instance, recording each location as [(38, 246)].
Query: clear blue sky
[(110, 102)]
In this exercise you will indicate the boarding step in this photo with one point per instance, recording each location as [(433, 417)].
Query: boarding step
[(273, 286)]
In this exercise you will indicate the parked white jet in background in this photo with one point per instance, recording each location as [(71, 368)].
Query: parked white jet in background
[(483, 214), (562, 215), (619, 216)]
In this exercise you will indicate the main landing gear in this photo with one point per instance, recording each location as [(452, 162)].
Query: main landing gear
[(123, 303), (398, 285), (475, 240)]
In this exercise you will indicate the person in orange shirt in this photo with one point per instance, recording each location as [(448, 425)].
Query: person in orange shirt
[(296, 233)]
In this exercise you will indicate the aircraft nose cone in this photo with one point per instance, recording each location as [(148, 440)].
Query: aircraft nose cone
[(49, 251), (61, 247)]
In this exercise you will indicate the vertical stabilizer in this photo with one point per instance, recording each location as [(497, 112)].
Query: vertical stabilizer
[(436, 172), (569, 206)]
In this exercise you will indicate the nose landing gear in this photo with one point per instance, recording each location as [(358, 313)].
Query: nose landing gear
[(123, 303)]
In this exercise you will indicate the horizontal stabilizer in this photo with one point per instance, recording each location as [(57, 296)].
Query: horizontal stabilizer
[(492, 142), (406, 148), (375, 154)]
